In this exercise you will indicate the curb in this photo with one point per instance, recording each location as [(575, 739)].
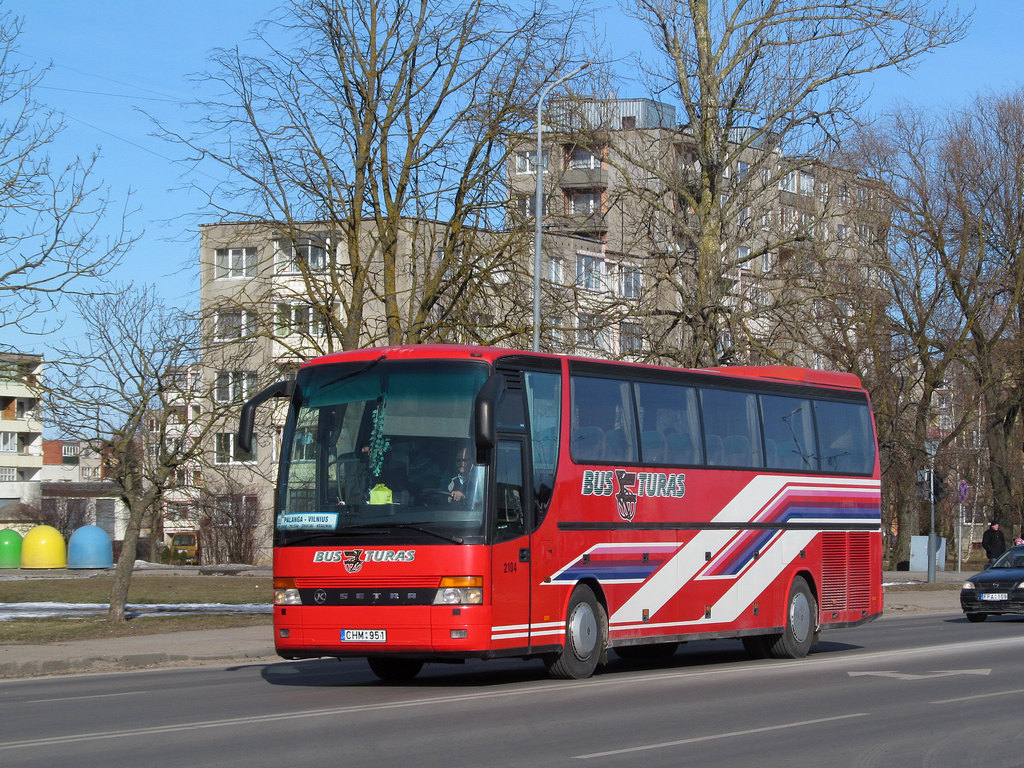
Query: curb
[(115, 662)]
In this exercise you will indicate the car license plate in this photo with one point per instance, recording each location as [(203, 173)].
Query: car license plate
[(364, 635), (995, 596)]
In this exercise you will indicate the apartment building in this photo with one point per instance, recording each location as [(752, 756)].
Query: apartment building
[(21, 431), (621, 182)]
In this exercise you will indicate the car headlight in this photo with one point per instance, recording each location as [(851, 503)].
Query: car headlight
[(460, 590), (967, 585)]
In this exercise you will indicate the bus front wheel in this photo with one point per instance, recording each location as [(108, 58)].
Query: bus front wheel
[(586, 631), (796, 639), (394, 670)]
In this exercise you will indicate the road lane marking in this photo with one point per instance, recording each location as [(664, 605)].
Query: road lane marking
[(922, 675), (80, 698), (714, 736), (977, 696)]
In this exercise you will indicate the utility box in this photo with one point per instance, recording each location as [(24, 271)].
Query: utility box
[(919, 553)]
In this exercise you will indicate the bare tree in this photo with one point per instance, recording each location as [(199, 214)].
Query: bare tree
[(767, 89), (954, 273), (372, 134), (51, 214), (127, 391)]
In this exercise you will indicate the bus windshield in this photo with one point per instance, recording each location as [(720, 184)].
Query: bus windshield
[(378, 446)]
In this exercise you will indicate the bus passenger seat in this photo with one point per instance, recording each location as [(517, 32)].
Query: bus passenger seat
[(737, 451), (616, 448), (716, 456), (680, 449), (653, 444)]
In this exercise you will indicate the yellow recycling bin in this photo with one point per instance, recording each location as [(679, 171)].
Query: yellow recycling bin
[(44, 547)]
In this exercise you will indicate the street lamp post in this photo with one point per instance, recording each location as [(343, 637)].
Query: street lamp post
[(538, 202)]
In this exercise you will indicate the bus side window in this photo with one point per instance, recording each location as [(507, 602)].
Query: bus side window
[(845, 439)]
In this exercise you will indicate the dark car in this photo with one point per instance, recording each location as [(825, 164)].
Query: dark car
[(996, 590)]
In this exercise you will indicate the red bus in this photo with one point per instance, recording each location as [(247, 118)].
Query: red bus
[(441, 503)]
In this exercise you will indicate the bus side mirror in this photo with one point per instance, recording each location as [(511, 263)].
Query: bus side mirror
[(485, 430), (247, 418)]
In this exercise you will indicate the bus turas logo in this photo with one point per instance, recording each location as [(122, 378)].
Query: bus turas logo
[(353, 559), (629, 486)]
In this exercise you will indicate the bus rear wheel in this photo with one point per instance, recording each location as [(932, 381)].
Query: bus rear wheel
[(796, 639), (394, 670), (586, 630)]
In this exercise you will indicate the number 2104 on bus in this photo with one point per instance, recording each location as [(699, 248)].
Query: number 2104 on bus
[(443, 503)]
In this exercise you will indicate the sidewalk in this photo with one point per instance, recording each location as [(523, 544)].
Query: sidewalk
[(905, 593)]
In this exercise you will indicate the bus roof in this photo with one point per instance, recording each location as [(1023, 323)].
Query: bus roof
[(810, 376)]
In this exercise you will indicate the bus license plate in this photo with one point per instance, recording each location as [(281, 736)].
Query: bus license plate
[(995, 596), (364, 635)]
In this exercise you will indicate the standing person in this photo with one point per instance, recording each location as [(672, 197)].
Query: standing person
[(993, 541)]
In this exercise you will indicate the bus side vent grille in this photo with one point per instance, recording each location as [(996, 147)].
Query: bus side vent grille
[(833, 571), (845, 571), (860, 570)]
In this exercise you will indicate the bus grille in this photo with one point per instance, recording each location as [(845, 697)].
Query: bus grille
[(845, 571)]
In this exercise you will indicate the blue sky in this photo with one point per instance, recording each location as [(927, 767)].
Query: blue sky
[(112, 58)]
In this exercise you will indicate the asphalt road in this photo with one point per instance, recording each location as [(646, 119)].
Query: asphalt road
[(909, 691)]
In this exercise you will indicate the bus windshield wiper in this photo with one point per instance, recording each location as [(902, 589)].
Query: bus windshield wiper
[(412, 527)]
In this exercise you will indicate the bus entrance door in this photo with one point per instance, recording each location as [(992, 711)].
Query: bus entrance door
[(511, 552)]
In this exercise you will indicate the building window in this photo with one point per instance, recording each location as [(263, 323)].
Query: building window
[(806, 183), (630, 282), (235, 262), (234, 324), (788, 183), (583, 159), (584, 203), (631, 340), (590, 272), (8, 475), (742, 169), (90, 474), (8, 442), (228, 452), (743, 256), (842, 233), (591, 331), (556, 270), (234, 386), (527, 206), (298, 320), (526, 161), (294, 258)]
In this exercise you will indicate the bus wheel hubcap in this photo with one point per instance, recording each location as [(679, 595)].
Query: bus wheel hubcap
[(800, 617), (583, 631)]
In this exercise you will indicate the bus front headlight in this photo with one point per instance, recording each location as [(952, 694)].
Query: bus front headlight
[(460, 590), (285, 592)]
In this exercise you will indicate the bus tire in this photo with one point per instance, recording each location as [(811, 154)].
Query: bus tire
[(801, 623), (586, 630), (394, 670)]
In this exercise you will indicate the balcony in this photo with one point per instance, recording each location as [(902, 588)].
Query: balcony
[(582, 223), (584, 178)]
